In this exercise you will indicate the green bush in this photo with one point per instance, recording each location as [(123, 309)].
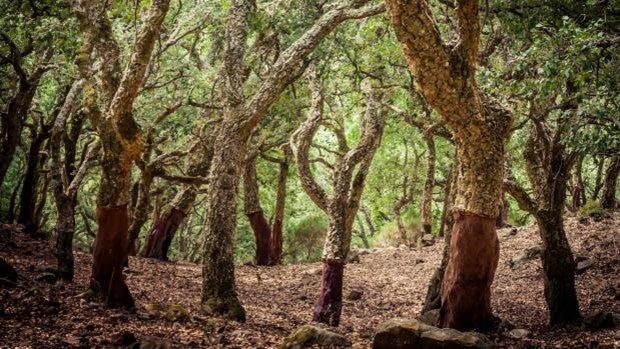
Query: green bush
[(304, 240), (592, 208)]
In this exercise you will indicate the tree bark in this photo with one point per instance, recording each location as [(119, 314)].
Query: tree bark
[(329, 306), (559, 269), (445, 76), (121, 137), (254, 212), (218, 287), (429, 184), (161, 235), (278, 216), (610, 183)]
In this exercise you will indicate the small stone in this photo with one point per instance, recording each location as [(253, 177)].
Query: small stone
[(176, 312), (525, 256), (308, 336), (513, 231), (8, 274), (355, 295), (49, 278), (419, 261), (517, 333), (353, 258), (402, 333), (124, 338), (599, 320), (428, 239), (430, 317), (583, 265)]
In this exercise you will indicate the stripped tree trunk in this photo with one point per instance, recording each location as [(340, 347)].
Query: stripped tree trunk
[(165, 226), (254, 212), (342, 206), (120, 135), (446, 79)]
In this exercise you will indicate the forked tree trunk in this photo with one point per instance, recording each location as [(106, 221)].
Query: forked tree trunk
[(611, 182), (559, 269)]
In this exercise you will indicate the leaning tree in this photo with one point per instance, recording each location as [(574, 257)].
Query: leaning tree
[(109, 102), (444, 73)]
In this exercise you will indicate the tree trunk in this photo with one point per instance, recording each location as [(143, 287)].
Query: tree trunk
[(109, 255), (447, 196), (140, 212), (559, 269), (28, 195), (609, 185), (598, 180), (329, 307), (161, 235), (65, 228), (474, 247), (466, 288), (427, 196), (254, 212), (278, 216), (433, 293), (218, 287)]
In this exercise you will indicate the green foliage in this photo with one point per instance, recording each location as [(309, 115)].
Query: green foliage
[(592, 208), (304, 239)]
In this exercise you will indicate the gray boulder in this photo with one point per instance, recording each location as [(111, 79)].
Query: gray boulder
[(402, 333), (527, 255), (307, 336)]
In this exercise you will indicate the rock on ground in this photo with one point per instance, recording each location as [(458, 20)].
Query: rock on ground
[(308, 335), (400, 333)]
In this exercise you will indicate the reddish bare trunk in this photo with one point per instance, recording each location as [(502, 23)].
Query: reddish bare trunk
[(276, 241), (109, 254), (466, 289), (327, 310), (159, 240), (262, 235), (576, 193)]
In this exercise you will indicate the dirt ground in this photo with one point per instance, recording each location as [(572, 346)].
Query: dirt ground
[(393, 283)]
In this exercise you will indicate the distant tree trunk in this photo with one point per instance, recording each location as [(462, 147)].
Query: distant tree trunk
[(408, 188), (164, 228), (367, 217), (502, 217), (64, 184), (14, 115), (254, 212), (140, 210), (609, 185), (429, 184), (598, 180), (160, 238), (480, 127), (278, 215), (447, 194)]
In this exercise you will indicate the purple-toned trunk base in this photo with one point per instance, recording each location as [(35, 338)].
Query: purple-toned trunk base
[(109, 254), (159, 240), (329, 307)]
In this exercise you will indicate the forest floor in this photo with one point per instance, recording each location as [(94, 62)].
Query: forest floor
[(393, 283)]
